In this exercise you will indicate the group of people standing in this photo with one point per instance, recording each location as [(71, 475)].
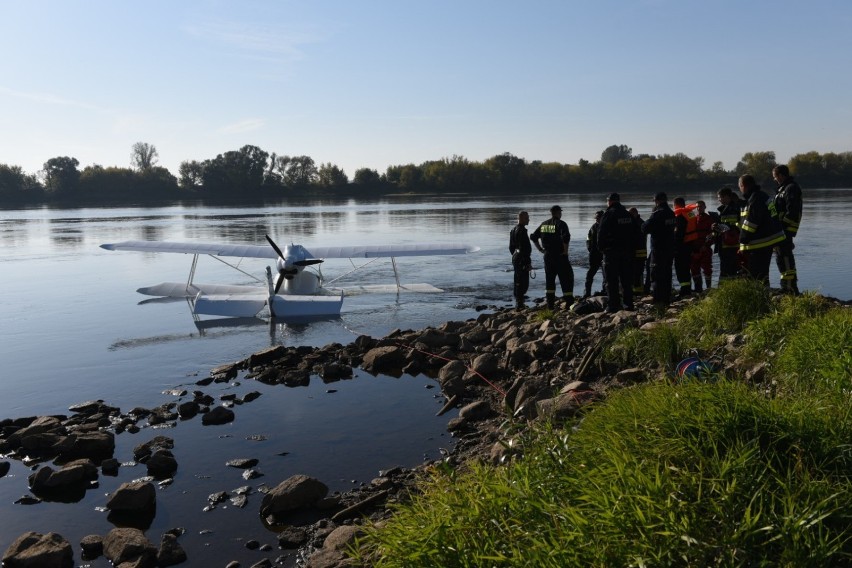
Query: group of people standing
[(745, 233)]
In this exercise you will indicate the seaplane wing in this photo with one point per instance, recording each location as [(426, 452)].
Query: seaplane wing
[(222, 249), (257, 251)]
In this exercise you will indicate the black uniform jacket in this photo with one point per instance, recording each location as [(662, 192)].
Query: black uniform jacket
[(661, 225)]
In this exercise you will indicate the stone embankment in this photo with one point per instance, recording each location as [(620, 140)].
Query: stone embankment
[(502, 364)]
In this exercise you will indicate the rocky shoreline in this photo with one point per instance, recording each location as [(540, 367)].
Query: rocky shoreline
[(506, 362)]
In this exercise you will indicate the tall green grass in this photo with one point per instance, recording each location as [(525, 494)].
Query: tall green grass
[(694, 475), (702, 327)]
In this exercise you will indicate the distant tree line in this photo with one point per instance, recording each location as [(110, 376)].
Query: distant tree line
[(251, 174)]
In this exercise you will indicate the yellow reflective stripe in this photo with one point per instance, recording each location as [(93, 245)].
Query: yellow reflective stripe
[(750, 227), (764, 242), (641, 253)]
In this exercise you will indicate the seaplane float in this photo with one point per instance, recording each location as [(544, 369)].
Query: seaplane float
[(296, 289)]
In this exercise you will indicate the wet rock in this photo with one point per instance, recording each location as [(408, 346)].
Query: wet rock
[(328, 558), (161, 464), (133, 497), (72, 474), (92, 546), (242, 463), (4, 468), (36, 550), (95, 445), (217, 416), (451, 376), (297, 492), (227, 371), (433, 339), (334, 372), (386, 360), (266, 356), (143, 451), (170, 552), (130, 545), (250, 396), (188, 409)]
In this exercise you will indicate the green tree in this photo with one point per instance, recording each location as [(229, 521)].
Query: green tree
[(143, 156), (758, 164), (191, 175), (329, 175), (235, 171), (366, 177), (507, 168), (614, 154), (299, 171), (61, 176), (15, 185)]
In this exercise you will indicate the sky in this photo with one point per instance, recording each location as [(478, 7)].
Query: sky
[(375, 83)]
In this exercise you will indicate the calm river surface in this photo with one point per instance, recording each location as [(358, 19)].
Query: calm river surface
[(72, 328)]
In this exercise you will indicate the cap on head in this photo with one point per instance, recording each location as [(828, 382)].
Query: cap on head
[(661, 196), (555, 208), (613, 197)]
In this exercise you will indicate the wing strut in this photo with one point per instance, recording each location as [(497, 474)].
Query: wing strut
[(192, 271), (395, 274)]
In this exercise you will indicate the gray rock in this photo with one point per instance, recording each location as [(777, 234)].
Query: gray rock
[(342, 537), (130, 545), (4, 468), (74, 473), (35, 550), (242, 463), (386, 359), (92, 546), (478, 410), (297, 492), (170, 552), (132, 497)]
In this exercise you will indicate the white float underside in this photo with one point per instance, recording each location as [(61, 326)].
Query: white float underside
[(247, 305)]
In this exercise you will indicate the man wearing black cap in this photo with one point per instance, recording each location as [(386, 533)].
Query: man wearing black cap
[(661, 226), (552, 238), (616, 240)]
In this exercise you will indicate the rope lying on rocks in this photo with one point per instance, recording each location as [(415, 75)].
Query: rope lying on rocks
[(468, 367)]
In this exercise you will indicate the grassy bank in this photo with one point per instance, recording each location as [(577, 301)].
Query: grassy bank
[(709, 472)]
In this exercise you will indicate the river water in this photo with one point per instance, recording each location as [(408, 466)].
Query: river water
[(72, 328)]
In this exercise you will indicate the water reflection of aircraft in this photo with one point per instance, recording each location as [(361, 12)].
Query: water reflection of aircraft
[(297, 289)]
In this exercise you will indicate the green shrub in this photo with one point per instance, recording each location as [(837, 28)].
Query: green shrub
[(769, 333)]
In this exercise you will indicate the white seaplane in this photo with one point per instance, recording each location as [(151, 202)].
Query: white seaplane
[(295, 290)]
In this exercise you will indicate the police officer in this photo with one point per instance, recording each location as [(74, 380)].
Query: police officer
[(661, 225), (552, 238), (521, 251), (788, 206), (617, 241)]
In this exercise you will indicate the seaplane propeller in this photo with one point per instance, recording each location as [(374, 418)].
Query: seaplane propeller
[(287, 267)]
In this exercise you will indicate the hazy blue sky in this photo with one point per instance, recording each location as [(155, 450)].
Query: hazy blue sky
[(363, 83)]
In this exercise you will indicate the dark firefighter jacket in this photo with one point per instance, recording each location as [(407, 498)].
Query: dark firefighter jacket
[(519, 245), (640, 239), (788, 205), (661, 225), (592, 240), (730, 215), (553, 235), (617, 233), (759, 224)]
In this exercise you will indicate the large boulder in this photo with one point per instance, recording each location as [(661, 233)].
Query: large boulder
[(72, 474), (217, 416), (295, 493), (130, 545), (133, 497), (35, 550), (387, 359)]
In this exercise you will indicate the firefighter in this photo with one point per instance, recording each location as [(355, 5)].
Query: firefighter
[(640, 258), (552, 238), (661, 226), (617, 241), (595, 256), (683, 248), (788, 205), (760, 229), (727, 232), (521, 251)]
